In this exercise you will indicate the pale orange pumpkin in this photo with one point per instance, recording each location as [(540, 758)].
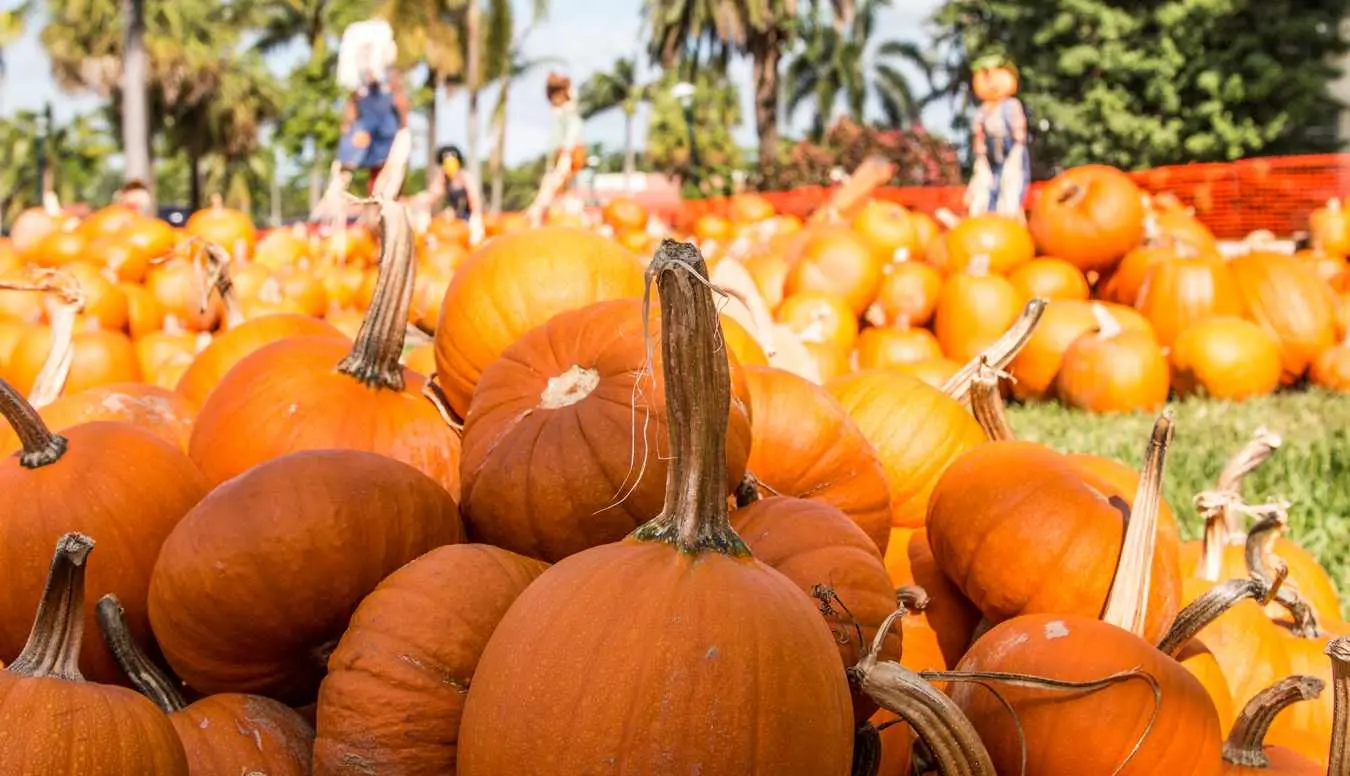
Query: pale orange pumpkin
[(821, 318), (1287, 300), (1005, 242), (1180, 291), (1050, 278), (1090, 216), (908, 293), (974, 309), (882, 348), (1113, 369), (1225, 357), (835, 260)]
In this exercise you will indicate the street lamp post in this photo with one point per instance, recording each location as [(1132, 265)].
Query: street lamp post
[(683, 92)]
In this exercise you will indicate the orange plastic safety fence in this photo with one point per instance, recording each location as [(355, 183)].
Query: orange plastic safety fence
[(1232, 199)]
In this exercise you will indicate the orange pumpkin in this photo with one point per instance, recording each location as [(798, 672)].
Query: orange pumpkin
[(803, 444), (230, 347), (584, 369), (101, 357), (820, 317), (514, 284), (178, 286), (936, 635), (108, 221), (1332, 368), (105, 303), (230, 229), (145, 315), (1090, 216), (1113, 369), (883, 348), (281, 248), (742, 343), (837, 261), (1287, 300), (1180, 291), (1225, 357), (60, 248), (908, 293), (916, 429), (624, 214), (1050, 278), (931, 371), (156, 410), (1331, 228), (974, 309), (1036, 366), (1005, 242), (1180, 227), (887, 228), (828, 360), (130, 251), (747, 207)]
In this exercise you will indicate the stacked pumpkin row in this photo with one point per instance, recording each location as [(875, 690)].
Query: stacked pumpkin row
[(1143, 299), (331, 562)]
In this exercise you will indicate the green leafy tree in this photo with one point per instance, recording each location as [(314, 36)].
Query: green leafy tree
[(716, 109), (76, 151), (1153, 82), (835, 64), (618, 88), (684, 32)]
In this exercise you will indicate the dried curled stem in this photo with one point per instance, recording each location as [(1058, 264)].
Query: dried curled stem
[(53, 647), (376, 354), (51, 378), (1211, 605), (212, 263), (1000, 353), (145, 676), (1223, 502), (1265, 564), (1127, 603), (986, 403), (933, 716), (1246, 743), (433, 393)]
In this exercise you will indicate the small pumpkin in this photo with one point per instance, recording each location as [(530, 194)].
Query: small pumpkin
[(1287, 300), (1113, 369), (939, 627), (55, 722), (1050, 278), (999, 243), (883, 348), (819, 318), (161, 412), (888, 228), (397, 681), (908, 294), (804, 444), (1225, 357), (230, 347), (309, 535), (570, 402), (1179, 292), (222, 735), (1090, 216), (1330, 226), (511, 285), (974, 309), (838, 261), (231, 229), (688, 577), (1331, 369)]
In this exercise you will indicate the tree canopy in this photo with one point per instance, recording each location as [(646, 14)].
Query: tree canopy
[(1140, 83)]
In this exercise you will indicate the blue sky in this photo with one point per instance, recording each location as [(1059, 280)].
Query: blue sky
[(586, 35)]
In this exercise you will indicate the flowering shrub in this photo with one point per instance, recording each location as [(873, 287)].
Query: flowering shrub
[(920, 158)]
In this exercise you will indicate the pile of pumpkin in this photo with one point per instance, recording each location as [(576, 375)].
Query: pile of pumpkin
[(588, 528), (1144, 298)]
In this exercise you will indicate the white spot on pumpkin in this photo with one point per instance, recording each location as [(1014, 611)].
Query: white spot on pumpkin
[(292, 408), (568, 388), (204, 724), (1056, 629)]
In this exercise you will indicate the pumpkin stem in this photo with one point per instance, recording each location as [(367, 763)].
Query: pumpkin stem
[(215, 274), (145, 676), (1212, 604), (1246, 460), (1213, 541), (866, 751), (53, 648), (986, 403), (1127, 603), (935, 718), (1338, 761), (433, 393), (1263, 563), (747, 492), (375, 356), (51, 379), (1107, 325), (698, 398), (1071, 195), (1247, 741), (1000, 353), (40, 446)]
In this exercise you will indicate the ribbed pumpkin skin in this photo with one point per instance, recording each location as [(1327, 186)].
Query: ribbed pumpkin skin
[(1090, 216), (803, 444), (1291, 303), (1037, 364), (116, 483), (549, 479), (513, 284), (1023, 500), (721, 662), (209, 367), (268, 569), (1179, 292), (812, 544), (291, 396), (1226, 358), (1087, 732), (1123, 373), (55, 727), (229, 734), (916, 430), (397, 682)]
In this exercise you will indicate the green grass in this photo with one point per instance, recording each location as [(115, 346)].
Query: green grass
[(1311, 469)]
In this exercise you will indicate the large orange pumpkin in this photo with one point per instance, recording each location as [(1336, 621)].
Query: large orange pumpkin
[(1090, 216), (838, 261), (111, 480), (1225, 357), (396, 685), (1002, 244), (563, 441), (231, 607), (1178, 292), (916, 429), (512, 285), (307, 393), (687, 576), (1287, 300), (803, 444)]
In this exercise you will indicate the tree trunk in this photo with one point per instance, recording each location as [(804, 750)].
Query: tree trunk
[(194, 179), (471, 79), (498, 162), (315, 177), (135, 102), (434, 81), (629, 152), (766, 55)]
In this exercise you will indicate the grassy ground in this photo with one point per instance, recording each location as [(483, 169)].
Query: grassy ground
[(1311, 469)]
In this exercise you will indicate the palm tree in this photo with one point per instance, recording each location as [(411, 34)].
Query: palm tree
[(504, 74), (835, 64), (11, 29), (135, 95), (429, 31), (618, 88), (78, 151), (685, 31)]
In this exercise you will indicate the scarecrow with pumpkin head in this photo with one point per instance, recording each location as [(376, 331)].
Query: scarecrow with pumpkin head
[(999, 134)]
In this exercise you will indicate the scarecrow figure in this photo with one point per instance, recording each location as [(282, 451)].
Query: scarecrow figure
[(999, 134)]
